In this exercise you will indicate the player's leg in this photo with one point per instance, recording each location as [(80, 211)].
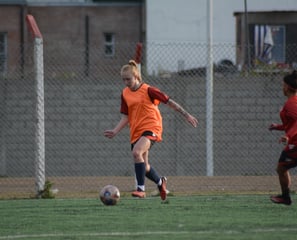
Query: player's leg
[(139, 152), (150, 172), (153, 176), (287, 161), (284, 180)]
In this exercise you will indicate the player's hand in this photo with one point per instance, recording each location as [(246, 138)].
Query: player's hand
[(284, 140), (109, 133), (273, 126), (192, 120)]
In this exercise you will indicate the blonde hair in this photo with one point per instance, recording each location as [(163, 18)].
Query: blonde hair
[(132, 66)]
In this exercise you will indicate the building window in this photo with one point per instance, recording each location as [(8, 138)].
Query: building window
[(3, 52), (270, 43), (109, 44)]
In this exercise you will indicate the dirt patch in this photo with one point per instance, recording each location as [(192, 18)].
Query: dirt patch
[(182, 185)]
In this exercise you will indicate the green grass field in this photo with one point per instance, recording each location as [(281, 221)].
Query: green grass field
[(184, 217)]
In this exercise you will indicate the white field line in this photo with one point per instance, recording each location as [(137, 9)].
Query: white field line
[(123, 234)]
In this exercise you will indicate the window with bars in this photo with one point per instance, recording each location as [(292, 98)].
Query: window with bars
[(109, 44)]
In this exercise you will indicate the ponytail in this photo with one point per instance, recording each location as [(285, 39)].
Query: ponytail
[(132, 66), (132, 63)]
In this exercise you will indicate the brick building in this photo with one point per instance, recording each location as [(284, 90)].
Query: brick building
[(95, 27)]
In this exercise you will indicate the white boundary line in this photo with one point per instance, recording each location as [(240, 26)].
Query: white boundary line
[(123, 234)]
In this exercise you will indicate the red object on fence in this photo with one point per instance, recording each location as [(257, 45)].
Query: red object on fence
[(33, 26), (138, 53)]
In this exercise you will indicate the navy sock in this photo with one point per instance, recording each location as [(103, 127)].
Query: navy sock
[(286, 193), (152, 175), (140, 175)]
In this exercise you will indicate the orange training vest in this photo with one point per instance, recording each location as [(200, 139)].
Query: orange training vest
[(143, 115)]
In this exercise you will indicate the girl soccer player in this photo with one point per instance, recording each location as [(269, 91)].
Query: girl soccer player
[(139, 108), (288, 157)]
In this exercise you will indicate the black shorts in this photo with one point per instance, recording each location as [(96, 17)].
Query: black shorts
[(150, 136), (288, 158)]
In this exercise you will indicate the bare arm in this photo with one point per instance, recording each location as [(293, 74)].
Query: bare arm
[(121, 124), (275, 126), (175, 106)]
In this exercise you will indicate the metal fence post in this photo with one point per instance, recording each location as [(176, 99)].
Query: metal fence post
[(209, 95), (39, 113)]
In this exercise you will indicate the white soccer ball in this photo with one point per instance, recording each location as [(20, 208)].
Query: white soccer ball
[(109, 195)]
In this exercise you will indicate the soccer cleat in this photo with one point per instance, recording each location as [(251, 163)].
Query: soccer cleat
[(138, 194), (281, 200), (162, 188)]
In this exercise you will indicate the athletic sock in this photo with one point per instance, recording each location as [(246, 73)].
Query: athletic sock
[(286, 193), (140, 176), (153, 176)]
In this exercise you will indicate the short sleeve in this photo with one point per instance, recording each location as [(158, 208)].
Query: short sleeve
[(156, 94), (124, 106)]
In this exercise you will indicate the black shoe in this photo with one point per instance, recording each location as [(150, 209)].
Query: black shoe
[(280, 199)]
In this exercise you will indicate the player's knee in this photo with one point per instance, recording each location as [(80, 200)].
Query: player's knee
[(280, 170), (147, 167), (137, 155)]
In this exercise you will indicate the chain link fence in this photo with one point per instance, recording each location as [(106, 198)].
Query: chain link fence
[(82, 99)]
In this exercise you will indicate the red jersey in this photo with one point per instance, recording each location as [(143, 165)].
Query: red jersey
[(141, 106), (288, 115)]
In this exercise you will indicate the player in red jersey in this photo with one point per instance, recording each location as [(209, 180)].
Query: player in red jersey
[(288, 157), (139, 108)]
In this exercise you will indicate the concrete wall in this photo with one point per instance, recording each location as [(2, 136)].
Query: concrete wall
[(77, 112)]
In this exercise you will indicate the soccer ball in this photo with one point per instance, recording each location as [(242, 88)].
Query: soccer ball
[(110, 195)]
